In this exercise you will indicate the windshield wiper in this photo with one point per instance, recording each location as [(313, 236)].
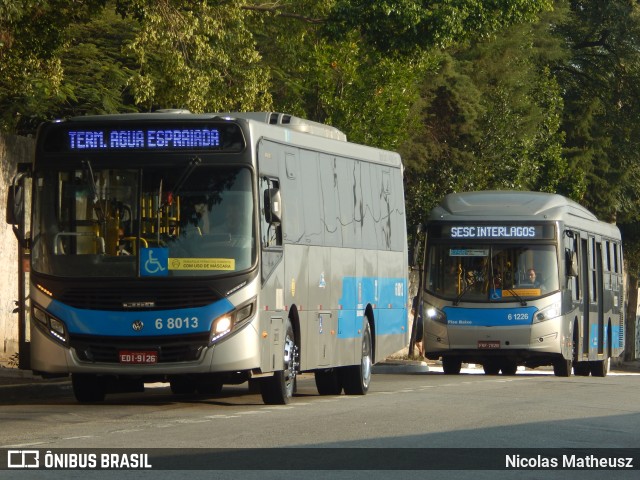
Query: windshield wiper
[(518, 297), (191, 166), (464, 290)]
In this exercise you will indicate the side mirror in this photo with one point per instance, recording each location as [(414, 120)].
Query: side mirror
[(272, 206), (15, 205), (415, 250), (571, 260)]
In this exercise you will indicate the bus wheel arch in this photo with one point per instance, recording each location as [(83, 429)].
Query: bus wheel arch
[(294, 318), (280, 387), (368, 315)]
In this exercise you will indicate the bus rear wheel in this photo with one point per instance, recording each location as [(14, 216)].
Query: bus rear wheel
[(279, 389), (600, 368), (328, 381), (581, 369), (356, 378)]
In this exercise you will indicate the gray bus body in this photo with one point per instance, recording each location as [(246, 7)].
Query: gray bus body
[(480, 305), (204, 249)]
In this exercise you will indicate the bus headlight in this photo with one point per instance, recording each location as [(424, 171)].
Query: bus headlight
[(437, 315), (547, 313), (232, 321), (53, 327), (221, 326)]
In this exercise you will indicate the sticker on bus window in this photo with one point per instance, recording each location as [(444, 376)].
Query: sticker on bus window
[(202, 264), (468, 252), (153, 262), (496, 293)]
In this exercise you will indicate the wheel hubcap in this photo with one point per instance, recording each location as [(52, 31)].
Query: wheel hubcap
[(366, 360), (290, 364)]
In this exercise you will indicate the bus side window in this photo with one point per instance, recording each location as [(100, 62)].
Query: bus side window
[(270, 232)]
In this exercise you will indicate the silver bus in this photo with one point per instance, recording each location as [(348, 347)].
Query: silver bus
[(521, 279), (211, 249)]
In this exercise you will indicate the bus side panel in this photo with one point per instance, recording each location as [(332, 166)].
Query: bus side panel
[(391, 318), (322, 328), (296, 292), (344, 291)]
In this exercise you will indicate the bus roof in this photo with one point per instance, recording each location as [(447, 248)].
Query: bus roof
[(513, 205), (278, 127), (270, 118)]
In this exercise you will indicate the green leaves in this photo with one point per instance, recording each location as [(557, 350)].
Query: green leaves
[(197, 56), (408, 26)]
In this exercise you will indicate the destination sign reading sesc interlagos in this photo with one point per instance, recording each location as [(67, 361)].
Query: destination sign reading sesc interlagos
[(112, 137), (497, 232)]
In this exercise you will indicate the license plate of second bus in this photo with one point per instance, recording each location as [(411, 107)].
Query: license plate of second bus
[(129, 356), (488, 344)]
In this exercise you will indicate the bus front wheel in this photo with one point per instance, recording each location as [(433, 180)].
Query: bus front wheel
[(88, 388), (356, 378), (562, 367), (278, 389), (451, 365)]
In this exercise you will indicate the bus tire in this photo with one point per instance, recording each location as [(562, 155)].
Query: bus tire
[(209, 384), (581, 369), (356, 378), (491, 367), (88, 388), (279, 389), (509, 367), (182, 385), (600, 368), (451, 365), (562, 367), (328, 382)]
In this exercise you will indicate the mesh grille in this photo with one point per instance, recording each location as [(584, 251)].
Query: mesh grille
[(148, 298), (170, 350)]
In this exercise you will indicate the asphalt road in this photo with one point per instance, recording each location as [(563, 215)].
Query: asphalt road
[(426, 411)]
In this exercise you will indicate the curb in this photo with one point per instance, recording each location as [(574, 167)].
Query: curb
[(33, 391), (400, 367)]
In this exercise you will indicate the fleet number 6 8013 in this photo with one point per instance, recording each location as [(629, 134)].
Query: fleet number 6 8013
[(177, 323)]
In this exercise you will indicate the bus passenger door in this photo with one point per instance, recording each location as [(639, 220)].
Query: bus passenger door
[(586, 293), (599, 277)]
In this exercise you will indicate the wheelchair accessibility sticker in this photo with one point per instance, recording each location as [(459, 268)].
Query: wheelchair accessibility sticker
[(154, 262)]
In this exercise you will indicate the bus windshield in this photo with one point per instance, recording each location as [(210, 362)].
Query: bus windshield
[(192, 220), (490, 273)]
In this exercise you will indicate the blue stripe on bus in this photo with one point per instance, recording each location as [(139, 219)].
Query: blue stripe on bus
[(389, 295), (489, 317), (119, 323)]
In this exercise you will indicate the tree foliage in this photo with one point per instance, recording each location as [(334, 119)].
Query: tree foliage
[(489, 119), (476, 94), (404, 26), (31, 34)]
